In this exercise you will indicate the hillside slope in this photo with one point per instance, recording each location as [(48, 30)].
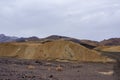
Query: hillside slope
[(58, 50), (108, 48)]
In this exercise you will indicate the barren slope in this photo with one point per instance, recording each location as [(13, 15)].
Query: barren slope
[(59, 50), (109, 48)]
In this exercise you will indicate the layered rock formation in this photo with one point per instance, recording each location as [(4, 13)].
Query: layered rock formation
[(57, 50)]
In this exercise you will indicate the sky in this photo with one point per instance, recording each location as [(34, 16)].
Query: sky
[(83, 19)]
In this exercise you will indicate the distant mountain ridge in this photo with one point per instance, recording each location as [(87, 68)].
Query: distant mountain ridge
[(33, 38), (4, 38), (88, 43), (111, 42)]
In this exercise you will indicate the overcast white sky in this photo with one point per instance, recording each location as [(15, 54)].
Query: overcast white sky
[(83, 19)]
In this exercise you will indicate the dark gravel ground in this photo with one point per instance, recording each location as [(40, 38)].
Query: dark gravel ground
[(17, 69)]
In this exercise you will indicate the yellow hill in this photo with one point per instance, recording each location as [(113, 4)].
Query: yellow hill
[(58, 50), (108, 48)]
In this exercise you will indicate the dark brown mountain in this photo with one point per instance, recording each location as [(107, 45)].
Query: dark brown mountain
[(111, 42), (34, 38)]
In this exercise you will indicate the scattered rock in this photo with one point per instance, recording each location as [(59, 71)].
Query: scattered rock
[(59, 68), (107, 73), (51, 76), (31, 67)]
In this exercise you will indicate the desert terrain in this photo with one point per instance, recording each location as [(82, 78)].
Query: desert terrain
[(59, 58), (19, 69)]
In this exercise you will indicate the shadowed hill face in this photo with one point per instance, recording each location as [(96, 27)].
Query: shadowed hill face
[(58, 50), (90, 42)]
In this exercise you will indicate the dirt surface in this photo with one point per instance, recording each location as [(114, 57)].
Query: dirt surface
[(18, 69)]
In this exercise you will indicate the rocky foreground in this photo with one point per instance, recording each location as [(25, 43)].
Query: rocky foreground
[(19, 69)]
